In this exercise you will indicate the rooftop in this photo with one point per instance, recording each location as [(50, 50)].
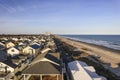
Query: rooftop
[(35, 46), (80, 70), (43, 67), (55, 57)]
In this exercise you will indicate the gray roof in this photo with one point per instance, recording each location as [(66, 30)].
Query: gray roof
[(10, 63), (3, 55), (51, 57), (57, 55), (43, 67)]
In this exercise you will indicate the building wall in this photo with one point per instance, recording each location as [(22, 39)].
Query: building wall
[(29, 50)]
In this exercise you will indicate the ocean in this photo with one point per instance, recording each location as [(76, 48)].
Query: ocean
[(110, 41)]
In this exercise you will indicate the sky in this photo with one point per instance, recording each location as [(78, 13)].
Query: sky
[(60, 16)]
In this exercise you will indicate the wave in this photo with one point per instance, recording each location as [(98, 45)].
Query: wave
[(108, 44)]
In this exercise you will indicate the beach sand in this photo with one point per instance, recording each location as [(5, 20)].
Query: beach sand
[(107, 55)]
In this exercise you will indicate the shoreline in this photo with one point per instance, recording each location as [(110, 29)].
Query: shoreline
[(107, 55), (98, 46), (103, 69)]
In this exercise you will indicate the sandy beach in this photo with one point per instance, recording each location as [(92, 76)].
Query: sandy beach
[(106, 55)]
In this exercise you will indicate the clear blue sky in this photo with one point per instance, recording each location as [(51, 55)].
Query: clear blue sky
[(60, 16)]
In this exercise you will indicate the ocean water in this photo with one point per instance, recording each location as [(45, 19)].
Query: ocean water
[(110, 41)]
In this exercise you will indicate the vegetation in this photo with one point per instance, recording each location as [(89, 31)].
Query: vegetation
[(84, 57)]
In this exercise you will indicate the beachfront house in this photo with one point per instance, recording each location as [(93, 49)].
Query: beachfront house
[(13, 51), (80, 70)]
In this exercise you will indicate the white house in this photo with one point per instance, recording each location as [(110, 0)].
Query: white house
[(4, 67), (9, 44), (80, 70), (7, 70), (21, 43), (15, 39), (13, 51), (32, 50), (27, 50)]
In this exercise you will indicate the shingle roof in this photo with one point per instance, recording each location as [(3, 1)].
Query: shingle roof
[(43, 67), (35, 46), (48, 56), (52, 58), (10, 63), (3, 55)]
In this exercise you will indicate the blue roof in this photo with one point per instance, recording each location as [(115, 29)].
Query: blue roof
[(35, 46)]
